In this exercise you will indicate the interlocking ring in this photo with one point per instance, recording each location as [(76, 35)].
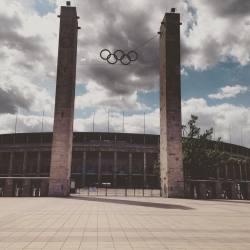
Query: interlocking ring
[(119, 55)]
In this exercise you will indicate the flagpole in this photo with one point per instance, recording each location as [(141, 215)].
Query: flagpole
[(16, 122), (123, 121), (93, 122), (144, 124), (42, 122), (108, 120)]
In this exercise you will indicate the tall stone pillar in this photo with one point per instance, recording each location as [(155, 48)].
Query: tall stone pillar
[(172, 180), (60, 166)]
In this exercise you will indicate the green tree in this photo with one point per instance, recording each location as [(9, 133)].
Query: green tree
[(201, 157)]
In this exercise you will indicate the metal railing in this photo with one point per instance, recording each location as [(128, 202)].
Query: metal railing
[(107, 191)]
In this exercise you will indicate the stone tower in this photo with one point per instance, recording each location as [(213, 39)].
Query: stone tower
[(60, 167), (172, 181)]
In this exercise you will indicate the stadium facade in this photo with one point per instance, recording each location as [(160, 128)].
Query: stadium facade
[(119, 159)]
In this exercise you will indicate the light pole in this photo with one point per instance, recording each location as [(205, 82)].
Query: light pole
[(42, 121), (144, 125), (123, 121), (108, 120), (93, 125)]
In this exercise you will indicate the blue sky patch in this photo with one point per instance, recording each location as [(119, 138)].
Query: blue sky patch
[(43, 7), (199, 84)]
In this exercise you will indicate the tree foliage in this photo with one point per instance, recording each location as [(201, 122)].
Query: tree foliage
[(201, 157)]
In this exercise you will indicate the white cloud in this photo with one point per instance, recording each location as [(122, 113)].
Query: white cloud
[(98, 96), (231, 122), (229, 91), (24, 123), (28, 46), (132, 123), (218, 32), (32, 55), (28, 63)]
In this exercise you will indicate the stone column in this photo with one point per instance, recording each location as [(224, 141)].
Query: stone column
[(38, 163), (8, 188), (11, 164), (26, 188), (248, 191), (61, 154), (172, 180), (99, 168), (245, 170), (234, 191), (203, 190), (130, 167), (115, 170), (246, 167), (84, 169), (24, 162), (144, 170), (217, 173), (187, 189), (241, 166), (218, 190), (44, 188)]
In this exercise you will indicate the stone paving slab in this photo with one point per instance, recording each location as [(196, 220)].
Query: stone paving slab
[(123, 223)]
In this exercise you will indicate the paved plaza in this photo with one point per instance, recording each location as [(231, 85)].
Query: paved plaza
[(123, 223)]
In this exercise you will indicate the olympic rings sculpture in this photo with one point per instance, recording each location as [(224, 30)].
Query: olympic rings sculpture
[(119, 55)]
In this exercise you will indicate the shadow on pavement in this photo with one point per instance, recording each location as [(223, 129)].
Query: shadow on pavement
[(230, 201), (132, 203)]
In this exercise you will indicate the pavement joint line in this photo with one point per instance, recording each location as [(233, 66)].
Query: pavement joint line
[(52, 223)]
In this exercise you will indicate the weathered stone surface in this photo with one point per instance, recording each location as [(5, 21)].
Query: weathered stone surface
[(26, 188), (8, 189), (172, 182), (64, 105), (44, 188)]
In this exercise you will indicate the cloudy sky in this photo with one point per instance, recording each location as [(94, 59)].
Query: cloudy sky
[(215, 65)]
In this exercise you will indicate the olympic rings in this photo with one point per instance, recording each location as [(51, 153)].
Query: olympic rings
[(119, 55)]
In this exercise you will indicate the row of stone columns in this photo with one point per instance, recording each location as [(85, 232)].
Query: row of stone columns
[(99, 172), (24, 163), (241, 170), (10, 188), (204, 190)]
